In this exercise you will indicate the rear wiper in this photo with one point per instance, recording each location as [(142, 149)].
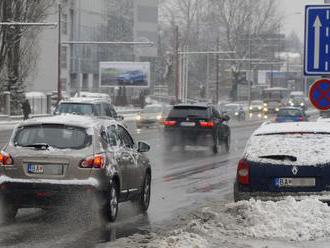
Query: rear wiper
[(280, 157), (41, 146)]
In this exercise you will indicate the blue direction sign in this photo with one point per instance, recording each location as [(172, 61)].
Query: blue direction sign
[(317, 40)]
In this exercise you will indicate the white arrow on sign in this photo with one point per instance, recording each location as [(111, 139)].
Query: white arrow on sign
[(317, 26)]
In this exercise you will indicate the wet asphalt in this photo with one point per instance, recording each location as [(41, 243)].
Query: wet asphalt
[(182, 180)]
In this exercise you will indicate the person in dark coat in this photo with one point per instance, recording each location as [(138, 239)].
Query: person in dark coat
[(26, 109)]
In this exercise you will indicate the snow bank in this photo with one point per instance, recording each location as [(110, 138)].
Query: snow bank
[(308, 219)]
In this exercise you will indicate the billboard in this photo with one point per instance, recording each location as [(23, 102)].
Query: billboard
[(128, 74)]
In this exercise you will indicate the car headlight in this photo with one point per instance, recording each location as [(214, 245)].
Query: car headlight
[(138, 117), (236, 113), (251, 108), (302, 104), (265, 104), (291, 103), (265, 109), (159, 117), (277, 109)]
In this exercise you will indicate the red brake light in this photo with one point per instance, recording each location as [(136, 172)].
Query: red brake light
[(301, 118), (243, 172), (5, 159), (169, 123), (97, 161), (208, 124)]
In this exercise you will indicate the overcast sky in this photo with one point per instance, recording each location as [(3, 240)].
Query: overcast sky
[(292, 20)]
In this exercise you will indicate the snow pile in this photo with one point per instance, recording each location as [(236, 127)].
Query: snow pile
[(289, 219)]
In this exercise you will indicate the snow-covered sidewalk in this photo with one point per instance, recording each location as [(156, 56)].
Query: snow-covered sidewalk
[(286, 223)]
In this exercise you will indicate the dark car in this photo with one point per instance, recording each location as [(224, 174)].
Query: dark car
[(87, 106), (132, 77), (290, 114), (196, 125), (285, 159), (50, 162)]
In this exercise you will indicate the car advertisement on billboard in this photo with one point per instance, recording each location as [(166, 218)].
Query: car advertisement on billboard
[(128, 74)]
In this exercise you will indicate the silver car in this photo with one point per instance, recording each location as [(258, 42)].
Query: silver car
[(50, 161)]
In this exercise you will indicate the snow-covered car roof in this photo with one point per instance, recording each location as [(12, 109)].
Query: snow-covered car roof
[(307, 142), (292, 127), (83, 100), (69, 119)]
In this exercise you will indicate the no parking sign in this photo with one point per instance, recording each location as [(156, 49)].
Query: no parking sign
[(319, 94)]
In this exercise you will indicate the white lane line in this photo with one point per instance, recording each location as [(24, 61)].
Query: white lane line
[(326, 49), (326, 66), (327, 32), (328, 14)]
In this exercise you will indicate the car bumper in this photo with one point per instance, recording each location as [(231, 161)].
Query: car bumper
[(26, 193), (189, 137), (278, 196), (147, 122)]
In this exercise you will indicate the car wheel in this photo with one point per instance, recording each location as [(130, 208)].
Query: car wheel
[(144, 200), (8, 212), (110, 209)]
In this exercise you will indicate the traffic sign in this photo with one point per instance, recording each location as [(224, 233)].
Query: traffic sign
[(319, 94), (317, 40)]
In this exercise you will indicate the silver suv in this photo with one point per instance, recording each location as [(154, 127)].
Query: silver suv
[(49, 161)]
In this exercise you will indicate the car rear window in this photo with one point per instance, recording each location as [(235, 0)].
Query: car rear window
[(57, 136), (289, 112), (75, 108), (184, 111)]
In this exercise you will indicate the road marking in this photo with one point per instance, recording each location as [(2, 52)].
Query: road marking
[(317, 26)]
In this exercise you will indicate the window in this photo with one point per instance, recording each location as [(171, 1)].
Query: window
[(125, 138), (64, 24), (189, 111), (74, 108), (64, 57), (112, 134)]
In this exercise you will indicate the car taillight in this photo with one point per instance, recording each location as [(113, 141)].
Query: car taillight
[(169, 123), (97, 161), (5, 159), (301, 118), (208, 124), (243, 172)]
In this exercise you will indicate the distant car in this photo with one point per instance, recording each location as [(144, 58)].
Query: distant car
[(132, 77), (234, 110), (285, 159), (258, 106), (87, 106), (196, 125), (290, 114), (152, 115), (48, 162), (298, 101)]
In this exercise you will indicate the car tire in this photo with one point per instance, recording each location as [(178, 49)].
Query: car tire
[(110, 208), (8, 212), (144, 199)]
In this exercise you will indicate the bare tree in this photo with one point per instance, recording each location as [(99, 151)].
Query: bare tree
[(18, 44), (242, 26)]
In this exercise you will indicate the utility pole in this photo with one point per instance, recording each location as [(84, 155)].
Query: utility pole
[(59, 45), (177, 63), (217, 72)]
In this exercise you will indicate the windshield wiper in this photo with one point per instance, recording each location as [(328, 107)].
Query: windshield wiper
[(280, 157), (41, 146)]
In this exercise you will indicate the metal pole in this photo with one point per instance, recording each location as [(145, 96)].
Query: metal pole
[(217, 74), (59, 83), (177, 63)]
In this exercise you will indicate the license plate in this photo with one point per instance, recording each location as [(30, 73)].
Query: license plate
[(294, 182), (188, 124), (35, 169)]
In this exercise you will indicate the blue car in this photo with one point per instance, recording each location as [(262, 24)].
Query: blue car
[(132, 77), (285, 159), (290, 114)]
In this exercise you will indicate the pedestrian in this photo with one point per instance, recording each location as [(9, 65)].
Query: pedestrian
[(26, 109)]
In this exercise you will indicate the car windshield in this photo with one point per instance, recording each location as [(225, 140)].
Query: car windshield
[(75, 108), (289, 112), (152, 109), (185, 111), (57, 136), (231, 108), (256, 102)]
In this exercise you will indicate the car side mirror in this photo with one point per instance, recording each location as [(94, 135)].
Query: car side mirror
[(143, 147), (226, 118), (120, 118)]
